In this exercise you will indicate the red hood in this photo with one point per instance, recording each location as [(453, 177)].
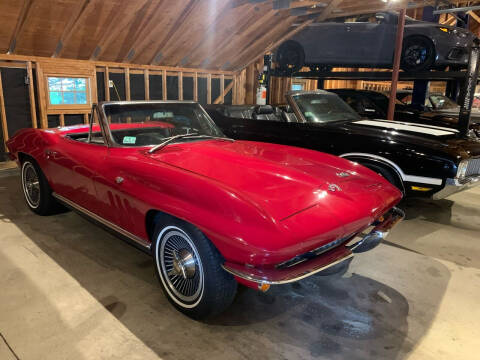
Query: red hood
[(284, 180)]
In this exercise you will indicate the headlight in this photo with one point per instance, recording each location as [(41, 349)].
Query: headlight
[(462, 169)]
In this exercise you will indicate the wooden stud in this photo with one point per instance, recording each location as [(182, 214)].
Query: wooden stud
[(62, 119), (195, 87), (85, 118), (164, 84), (3, 115), (209, 88), (31, 95), (127, 84), (106, 79), (222, 89), (42, 100), (146, 80), (221, 98), (180, 85)]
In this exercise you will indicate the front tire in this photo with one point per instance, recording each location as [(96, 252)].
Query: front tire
[(189, 269), (418, 54), (36, 189)]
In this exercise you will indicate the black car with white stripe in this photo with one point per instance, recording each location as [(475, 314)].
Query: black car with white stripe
[(421, 160)]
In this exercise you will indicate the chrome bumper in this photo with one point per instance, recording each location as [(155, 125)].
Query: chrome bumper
[(453, 186), (310, 266)]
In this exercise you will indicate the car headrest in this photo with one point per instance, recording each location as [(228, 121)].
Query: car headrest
[(287, 109), (264, 109)]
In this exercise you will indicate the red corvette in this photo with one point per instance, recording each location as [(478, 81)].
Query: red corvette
[(212, 211)]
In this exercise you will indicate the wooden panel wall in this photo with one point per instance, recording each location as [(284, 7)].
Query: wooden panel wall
[(43, 67)]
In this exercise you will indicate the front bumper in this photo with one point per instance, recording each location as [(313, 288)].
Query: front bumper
[(305, 266), (453, 186)]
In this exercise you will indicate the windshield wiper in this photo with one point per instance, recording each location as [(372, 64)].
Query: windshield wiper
[(182, 136)]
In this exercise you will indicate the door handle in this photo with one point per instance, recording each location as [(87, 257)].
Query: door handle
[(119, 180)]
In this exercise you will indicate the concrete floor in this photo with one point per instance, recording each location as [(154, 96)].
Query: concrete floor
[(69, 290)]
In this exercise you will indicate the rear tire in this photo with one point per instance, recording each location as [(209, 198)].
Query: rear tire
[(189, 269), (290, 56), (36, 190)]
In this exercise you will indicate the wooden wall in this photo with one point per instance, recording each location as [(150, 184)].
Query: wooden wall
[(205, 86)]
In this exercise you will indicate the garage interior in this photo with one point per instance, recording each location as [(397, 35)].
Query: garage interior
[(71, 290)]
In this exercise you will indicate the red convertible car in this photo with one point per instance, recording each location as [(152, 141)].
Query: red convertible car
[(212, 211)]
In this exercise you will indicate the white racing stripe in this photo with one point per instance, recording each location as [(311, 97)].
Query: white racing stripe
[(437, 131)]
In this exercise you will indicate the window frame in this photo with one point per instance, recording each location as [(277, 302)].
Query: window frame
[(88, 91)]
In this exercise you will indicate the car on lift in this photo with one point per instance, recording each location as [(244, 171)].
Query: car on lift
[(421, 160), (374, 105), (211, 211), (369, 41)]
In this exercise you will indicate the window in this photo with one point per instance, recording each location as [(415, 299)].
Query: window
[(68, 91), (297, 87)]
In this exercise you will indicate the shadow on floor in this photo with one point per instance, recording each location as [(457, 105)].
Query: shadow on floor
[(349, 317)]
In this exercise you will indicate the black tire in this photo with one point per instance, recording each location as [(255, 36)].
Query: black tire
[(36, 190), (290, 56), (418, 54), (189, 269), (387, 174)]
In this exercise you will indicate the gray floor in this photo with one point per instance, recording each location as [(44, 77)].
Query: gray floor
[(69, 290)]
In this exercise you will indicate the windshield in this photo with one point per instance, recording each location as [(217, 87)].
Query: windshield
[(441, 102), (145, 124), (324, 108)]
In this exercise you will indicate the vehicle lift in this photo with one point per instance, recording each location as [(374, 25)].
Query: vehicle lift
[(466, 81)]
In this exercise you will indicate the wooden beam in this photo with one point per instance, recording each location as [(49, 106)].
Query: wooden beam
[(106, 80), (22, 18), (62, 119), (146, 80), (85, 118), (3, 115), (209, 88), (195, 87), (31, 95), (221, 98), (127, 84), (71, 26), (180, 85), (164, 84), (474, 16), (36, 59)]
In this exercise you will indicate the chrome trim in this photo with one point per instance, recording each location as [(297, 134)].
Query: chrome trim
[(265, 281), (405, 177), (379, 232), (456, 185), (101, 220)]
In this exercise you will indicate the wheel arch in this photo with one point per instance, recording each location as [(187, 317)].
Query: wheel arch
[(378, 160)]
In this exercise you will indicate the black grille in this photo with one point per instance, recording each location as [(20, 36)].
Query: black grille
[(473, 167), (456, 53), (313, 253)]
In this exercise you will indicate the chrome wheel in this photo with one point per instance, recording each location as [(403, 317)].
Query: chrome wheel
[(31, 184), (180, 266)]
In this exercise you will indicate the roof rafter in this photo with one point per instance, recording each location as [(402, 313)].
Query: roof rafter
[(71, 26), (27, 5)]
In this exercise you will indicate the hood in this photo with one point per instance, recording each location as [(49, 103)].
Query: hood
[(281, 180), (443, 139)]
